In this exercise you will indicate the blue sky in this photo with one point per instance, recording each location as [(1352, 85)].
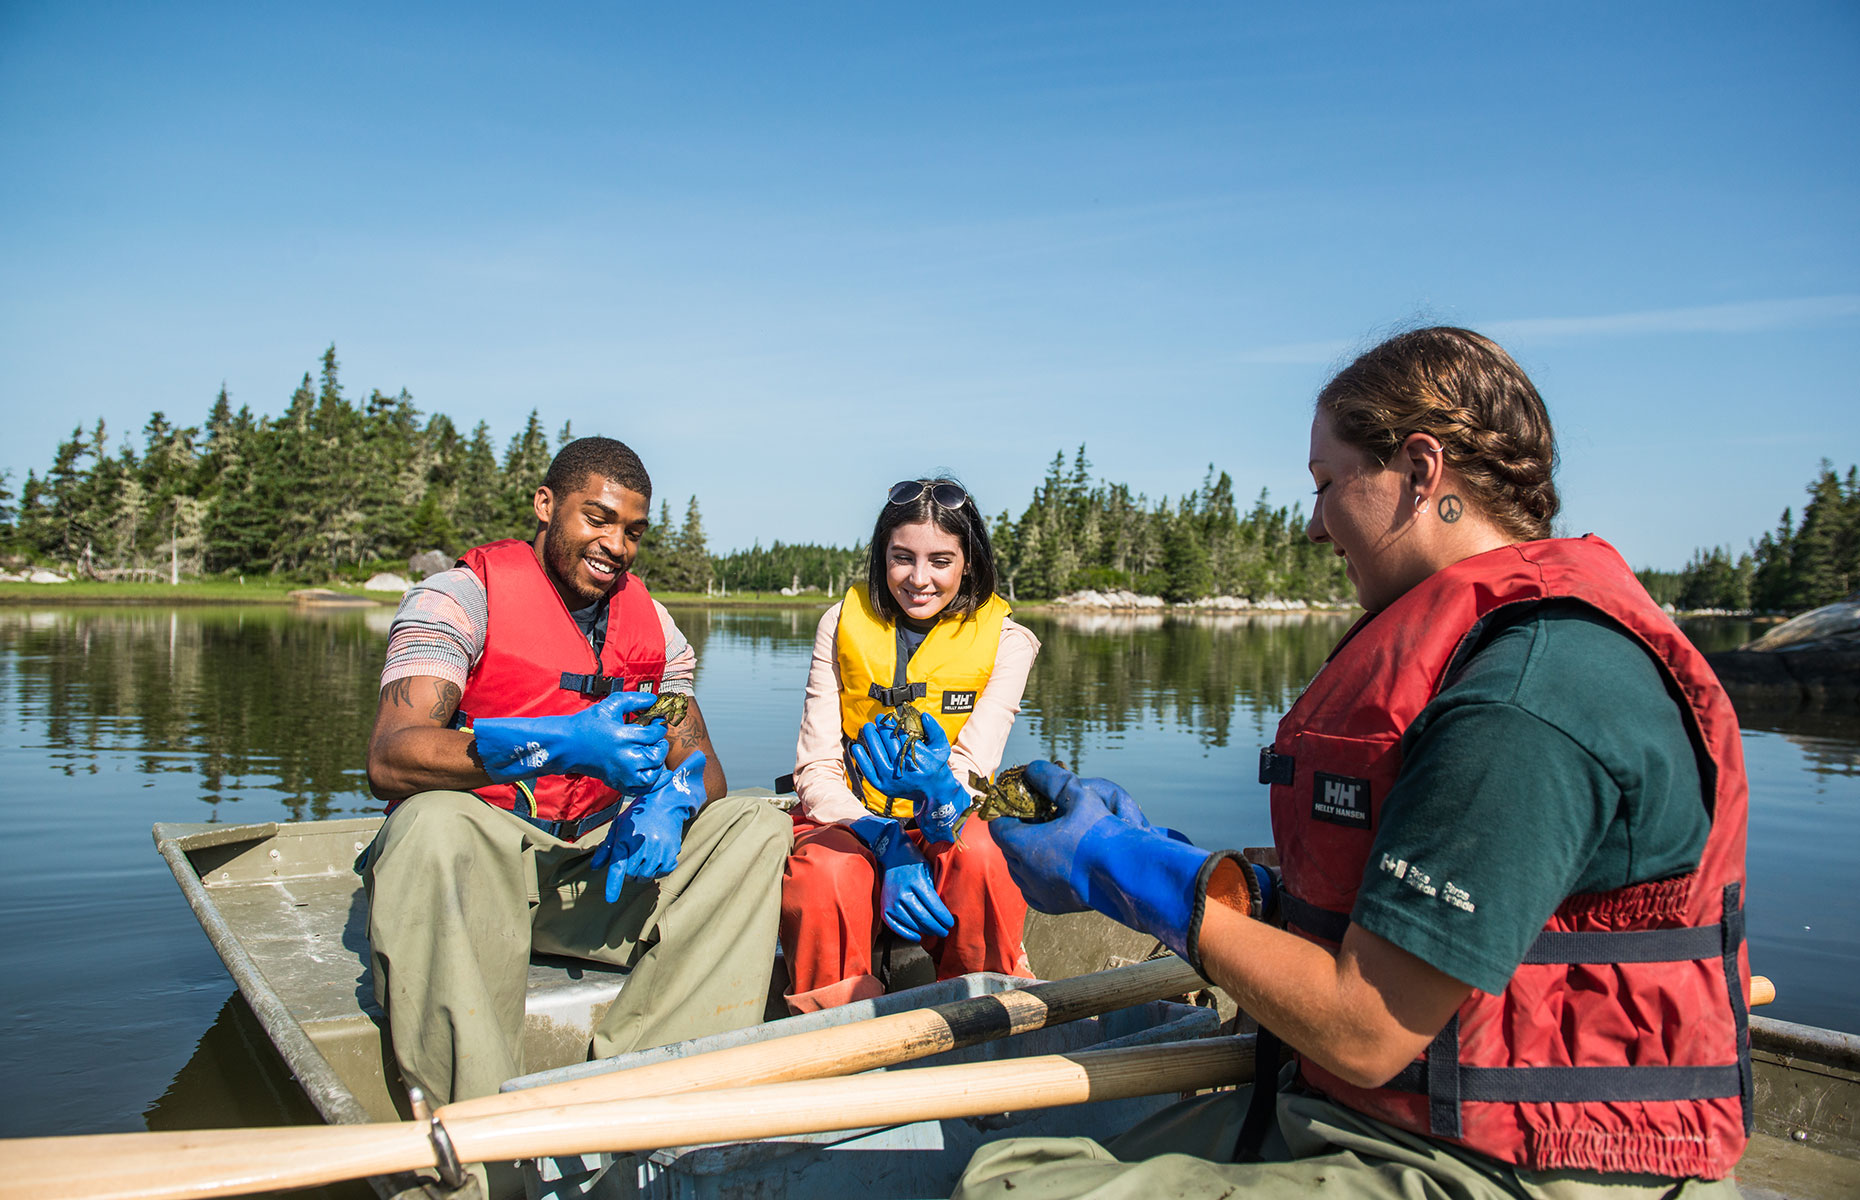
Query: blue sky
[(792, 253)]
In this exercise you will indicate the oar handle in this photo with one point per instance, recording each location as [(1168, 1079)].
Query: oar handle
[(1762, 991), (863, 1045)]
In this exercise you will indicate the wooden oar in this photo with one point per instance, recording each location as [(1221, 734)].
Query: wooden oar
[(1762, 991), (180, 1166), (864, 1045)]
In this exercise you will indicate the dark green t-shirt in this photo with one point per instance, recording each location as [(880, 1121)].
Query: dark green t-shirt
[(1556, 764)]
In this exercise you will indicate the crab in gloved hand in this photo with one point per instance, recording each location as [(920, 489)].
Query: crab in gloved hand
[(669, 708)]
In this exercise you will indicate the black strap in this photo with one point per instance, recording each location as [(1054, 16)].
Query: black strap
[(1627, 945), (592, 685), (1320, 922), (572, 828), (1444, 1080), (1686, 944), (1733, 927), (1276, 768), (891, 697), (784, 785), (1262, 1107), (1568, 1085)]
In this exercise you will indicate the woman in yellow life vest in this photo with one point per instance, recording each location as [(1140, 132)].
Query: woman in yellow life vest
[(874, 826)]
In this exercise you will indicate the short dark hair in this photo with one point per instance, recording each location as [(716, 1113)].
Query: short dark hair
[(1472, 397), (965, 523), (597, 456)]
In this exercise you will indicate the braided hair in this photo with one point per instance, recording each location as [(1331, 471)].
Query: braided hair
[(1466, 392)]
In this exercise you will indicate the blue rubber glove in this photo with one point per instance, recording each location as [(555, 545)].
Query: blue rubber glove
[(644, 839), (596, 741), (1101, 853), (925, 780), (907, 896)]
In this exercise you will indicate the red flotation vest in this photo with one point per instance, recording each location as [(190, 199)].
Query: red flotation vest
[(1621, 1044), (537, 663)]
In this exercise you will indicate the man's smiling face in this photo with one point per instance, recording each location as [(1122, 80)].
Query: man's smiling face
[(591, 537)]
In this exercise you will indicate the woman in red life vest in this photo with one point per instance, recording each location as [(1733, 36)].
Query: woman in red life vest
[(1509, 813), (875, 826)]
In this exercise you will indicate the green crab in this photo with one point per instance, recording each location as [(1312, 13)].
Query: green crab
[(669, 708), (906, 720), (1009, 796)]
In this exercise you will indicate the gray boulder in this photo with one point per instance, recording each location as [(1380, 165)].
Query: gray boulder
[(1811, 660), (428, 562)]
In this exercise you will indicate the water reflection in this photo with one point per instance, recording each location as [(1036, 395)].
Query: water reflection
[(1102, 675), (245, 699)]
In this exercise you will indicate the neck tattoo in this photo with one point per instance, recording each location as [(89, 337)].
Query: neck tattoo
[(1450, 508)]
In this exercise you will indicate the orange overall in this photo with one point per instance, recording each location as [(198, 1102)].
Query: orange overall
[(829, 912)]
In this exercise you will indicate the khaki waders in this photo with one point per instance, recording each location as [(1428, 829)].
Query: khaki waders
[(460, 893), (1317, 1149)]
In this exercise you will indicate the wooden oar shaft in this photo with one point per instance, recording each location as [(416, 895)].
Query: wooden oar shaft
[(1762, 991), (894, 1097), (183, 1166), (207, 1162), (863, 1045)]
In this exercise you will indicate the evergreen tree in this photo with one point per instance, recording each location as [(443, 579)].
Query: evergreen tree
[(1818, 574), (480, 492), (8, 514)]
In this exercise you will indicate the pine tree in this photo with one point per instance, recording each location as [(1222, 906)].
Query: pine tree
[(1817, 577)]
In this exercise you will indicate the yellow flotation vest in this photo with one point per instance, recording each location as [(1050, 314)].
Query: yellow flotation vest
[(946, 675)]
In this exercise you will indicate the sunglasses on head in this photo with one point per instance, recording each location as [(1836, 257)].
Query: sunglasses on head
[(949, 495)]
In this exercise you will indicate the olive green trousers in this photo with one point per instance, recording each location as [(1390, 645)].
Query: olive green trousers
[(1319, 1148), (460, 893)]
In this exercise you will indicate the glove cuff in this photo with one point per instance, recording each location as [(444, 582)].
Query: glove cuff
[(1142, 878), (885, 838), (516, 752), (938, 814), (1239, 886)]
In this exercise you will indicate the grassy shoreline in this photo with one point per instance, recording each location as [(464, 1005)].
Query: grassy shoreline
[(196, 591), (269, 591)]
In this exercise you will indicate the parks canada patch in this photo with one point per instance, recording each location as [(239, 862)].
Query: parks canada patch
[(958, 702), (1340, 799)]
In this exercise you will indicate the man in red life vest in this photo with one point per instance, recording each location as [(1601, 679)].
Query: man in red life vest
[(527, 812)]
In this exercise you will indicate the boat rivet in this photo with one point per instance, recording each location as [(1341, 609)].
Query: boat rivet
[(359, 845), (1801, 1135), (275, 855)]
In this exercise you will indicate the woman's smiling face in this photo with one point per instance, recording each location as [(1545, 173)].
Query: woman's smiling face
[(923, 566), (1361, 509)]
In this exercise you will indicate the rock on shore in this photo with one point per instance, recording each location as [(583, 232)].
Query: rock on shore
[(1123, 601), (1813, 659)]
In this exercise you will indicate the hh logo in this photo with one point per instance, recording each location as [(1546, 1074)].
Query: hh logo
[(1340, 800), (958, 702)]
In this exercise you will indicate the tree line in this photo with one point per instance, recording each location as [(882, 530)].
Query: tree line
[(1078, 534), (1795, 567), (333, 488)]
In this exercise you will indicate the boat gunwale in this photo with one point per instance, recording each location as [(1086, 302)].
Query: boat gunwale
[(321, 1083)]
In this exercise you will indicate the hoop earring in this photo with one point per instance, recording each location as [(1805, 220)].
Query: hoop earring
[(1420, 505)]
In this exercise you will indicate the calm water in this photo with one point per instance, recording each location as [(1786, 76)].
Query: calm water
[(112, 719)]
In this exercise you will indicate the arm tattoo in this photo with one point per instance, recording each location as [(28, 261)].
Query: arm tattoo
[(691, 734), (448, 701), (398, 692)]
